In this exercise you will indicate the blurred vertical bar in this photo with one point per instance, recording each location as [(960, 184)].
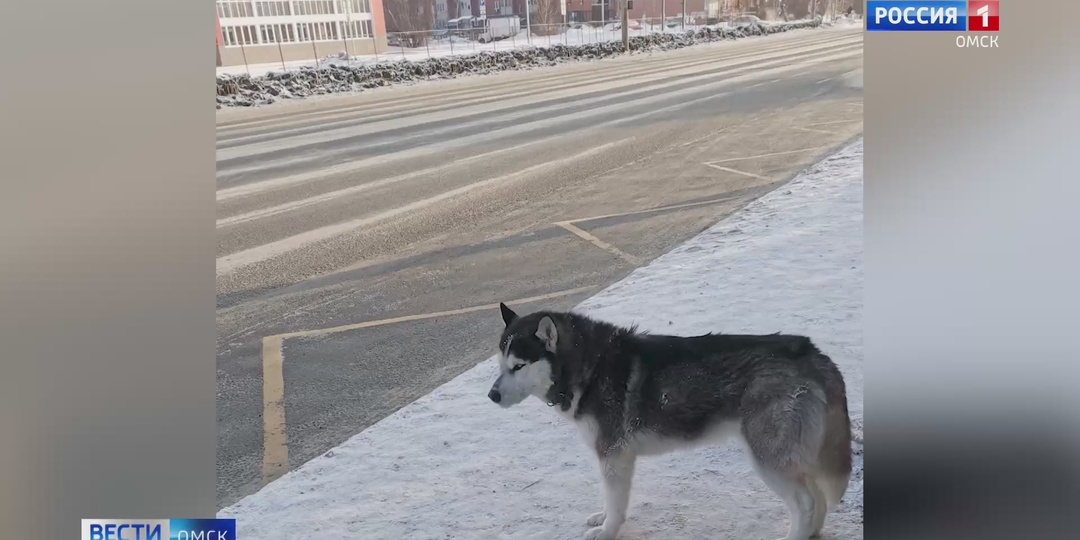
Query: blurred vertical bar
[(971, 289)]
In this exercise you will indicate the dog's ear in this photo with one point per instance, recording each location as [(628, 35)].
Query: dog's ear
[(508, 314), (548, 334)]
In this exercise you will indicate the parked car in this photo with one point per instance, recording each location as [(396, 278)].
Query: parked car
[(746, 20), (496, 28)]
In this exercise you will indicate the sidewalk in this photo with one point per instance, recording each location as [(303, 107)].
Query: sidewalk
[(452, 465)]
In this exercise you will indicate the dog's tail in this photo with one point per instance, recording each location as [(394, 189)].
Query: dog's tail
[(834, 458)]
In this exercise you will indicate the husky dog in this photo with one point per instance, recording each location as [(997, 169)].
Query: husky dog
[(633, 394)]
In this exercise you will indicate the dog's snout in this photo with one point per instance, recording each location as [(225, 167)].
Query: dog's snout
[(495, 395)]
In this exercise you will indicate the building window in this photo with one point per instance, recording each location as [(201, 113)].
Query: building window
[(228, 9), (276, 8), (355, 29), (321, 31), (228, 36), (358, 6), (234, 36), (319, 7), (324, 7), (274, 33)]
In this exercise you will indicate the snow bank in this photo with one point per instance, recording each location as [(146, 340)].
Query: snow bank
[(453, 465), (343, 76)]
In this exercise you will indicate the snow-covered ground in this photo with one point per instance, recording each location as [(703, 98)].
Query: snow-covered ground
[(452, 465)]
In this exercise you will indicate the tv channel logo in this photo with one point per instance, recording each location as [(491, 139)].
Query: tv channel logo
[(158, 529), (932, 16), (983, 17)]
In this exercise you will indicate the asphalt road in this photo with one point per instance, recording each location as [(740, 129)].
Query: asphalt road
[(375, 231)]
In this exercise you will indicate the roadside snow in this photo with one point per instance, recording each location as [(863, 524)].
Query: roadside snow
[(438, 48), (454, 466), (446, 47)]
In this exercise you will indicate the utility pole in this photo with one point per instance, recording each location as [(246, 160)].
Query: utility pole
[(682, 24), (625, 25), (663, 16), (528, 22)]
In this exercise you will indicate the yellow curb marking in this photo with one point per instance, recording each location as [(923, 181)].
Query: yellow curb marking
[(275, 442), (599, 243), (592, 239)]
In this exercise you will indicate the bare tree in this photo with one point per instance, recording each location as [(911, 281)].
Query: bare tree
[(413, 18), (548, 17)]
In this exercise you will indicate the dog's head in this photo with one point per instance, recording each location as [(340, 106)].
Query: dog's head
[(528, 351)]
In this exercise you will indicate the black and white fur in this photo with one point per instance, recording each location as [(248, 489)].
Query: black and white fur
[(633, 394)]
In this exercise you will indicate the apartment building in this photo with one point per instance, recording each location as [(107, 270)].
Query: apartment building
[(444, 12), (267, 31)]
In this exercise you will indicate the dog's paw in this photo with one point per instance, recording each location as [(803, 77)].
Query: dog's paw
[(598, 533), (596, 519)]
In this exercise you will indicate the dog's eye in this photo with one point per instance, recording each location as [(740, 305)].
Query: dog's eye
[(517, 367)]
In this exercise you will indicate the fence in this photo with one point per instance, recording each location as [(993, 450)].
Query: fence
[(431, 44)]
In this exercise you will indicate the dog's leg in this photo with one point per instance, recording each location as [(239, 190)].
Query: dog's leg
[(784, 425), (821, 507), (618, 473), (800, 499), (596, 519)]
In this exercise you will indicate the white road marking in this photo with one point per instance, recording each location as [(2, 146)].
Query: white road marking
[(471, 112), (834, 122), (788, 152), (736, 171), (234, 261), (811, 130), (256, 187), (324, 197)]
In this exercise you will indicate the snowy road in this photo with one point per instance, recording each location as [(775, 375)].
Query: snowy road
[(362, 239), (453, 465)]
